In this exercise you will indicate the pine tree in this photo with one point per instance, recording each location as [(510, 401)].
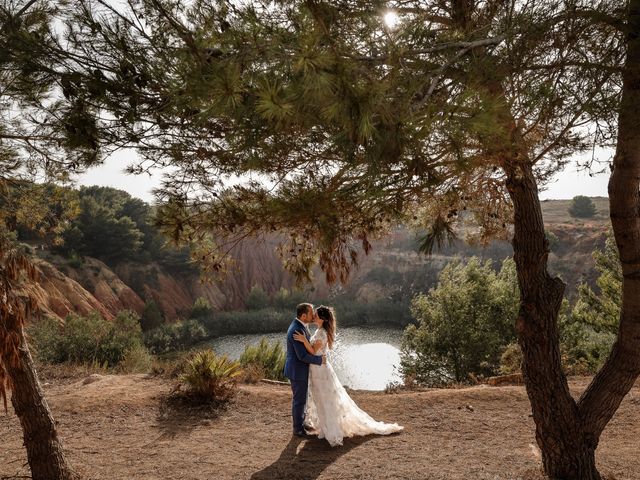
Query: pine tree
[(356, 126), (582, 207)]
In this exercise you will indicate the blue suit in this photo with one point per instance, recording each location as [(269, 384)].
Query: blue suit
[(296, 369)]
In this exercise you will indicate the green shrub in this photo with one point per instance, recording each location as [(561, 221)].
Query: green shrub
[(269, 320), (175, 336), (201, 308), (45, 338), (75, 261), (584, 349), (152, 316), (210, 378), (87, 339), (553, 240), (266, 320), (588, 332), (582, 207), (257, 298), (511, 359), (464, 324), (136, 360), (287, 300), (380, 312), (270, 358)]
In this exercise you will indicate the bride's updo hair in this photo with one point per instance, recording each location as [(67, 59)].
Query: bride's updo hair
[(328, 317)]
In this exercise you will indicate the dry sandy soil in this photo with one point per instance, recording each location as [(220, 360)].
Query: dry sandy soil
[(123, 427)]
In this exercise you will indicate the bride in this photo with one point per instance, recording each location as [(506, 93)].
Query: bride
[(330, 410)]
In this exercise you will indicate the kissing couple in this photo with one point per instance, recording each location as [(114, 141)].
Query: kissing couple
[(320, 404)]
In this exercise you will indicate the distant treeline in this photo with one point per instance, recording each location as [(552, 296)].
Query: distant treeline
[(104, 223)]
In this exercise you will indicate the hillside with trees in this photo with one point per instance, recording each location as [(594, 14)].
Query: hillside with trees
[(112, 257)]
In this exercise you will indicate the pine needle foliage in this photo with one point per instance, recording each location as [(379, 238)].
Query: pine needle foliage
[(338, 125)]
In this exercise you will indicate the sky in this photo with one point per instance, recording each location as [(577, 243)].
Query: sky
[(566, 184)]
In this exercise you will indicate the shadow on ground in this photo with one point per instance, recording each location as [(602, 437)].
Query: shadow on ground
[(179, 415), (306, 459)]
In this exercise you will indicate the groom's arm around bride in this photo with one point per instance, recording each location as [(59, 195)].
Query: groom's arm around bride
[(296, 366)]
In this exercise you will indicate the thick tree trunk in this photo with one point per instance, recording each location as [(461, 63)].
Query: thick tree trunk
[(44, 449), (567, 452), (568, 433), (600, 401)]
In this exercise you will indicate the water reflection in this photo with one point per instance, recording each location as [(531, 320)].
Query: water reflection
[(365, 358)]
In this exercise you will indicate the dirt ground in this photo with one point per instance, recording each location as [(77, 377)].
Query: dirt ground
[(122, 427)]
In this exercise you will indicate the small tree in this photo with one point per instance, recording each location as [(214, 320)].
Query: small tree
[(201, 308), (588, 333), (152, 316), (602, 310), (464, 323), (257, 298), (582, 207)]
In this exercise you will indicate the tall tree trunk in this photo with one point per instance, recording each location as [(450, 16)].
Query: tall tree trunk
[(44, 449), (567, 452), (600, 401)]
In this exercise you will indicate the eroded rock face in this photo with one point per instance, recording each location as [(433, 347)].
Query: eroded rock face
[(59, 295), (107, 287), (63, 289)]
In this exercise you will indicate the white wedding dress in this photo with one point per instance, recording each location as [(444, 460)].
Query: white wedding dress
[(330, 410)]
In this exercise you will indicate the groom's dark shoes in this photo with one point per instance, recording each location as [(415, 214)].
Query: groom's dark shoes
[(304, 434)]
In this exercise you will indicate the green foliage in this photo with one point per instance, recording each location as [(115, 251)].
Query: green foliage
[(582, 207), (588, 332), (137, 359), (584, 348), (87, 339), (464, 323), (553, 240), (257, 298), (175, 336), (111, 225), (269, 358), (152, 316), (268, 320), (201, 308), (38, 211), (210, 378), (511, 359), (100, 230), (285, 299), (602, 310), (385, 311), (45, 339), (294, 86), (247, 321)]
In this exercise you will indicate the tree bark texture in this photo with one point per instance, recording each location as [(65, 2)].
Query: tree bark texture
[(44, 449)]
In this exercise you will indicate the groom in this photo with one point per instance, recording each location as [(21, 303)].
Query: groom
[(296, 366)]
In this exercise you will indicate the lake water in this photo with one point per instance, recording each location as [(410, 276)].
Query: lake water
[(364, 358)]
